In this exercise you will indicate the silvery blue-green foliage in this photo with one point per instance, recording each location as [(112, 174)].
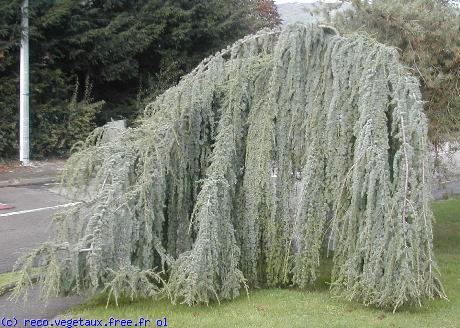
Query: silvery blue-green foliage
[(287, 143)]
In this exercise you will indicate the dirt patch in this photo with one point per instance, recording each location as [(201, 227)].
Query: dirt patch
[(13, 166)]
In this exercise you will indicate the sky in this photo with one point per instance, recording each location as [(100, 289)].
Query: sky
[(305, 1)]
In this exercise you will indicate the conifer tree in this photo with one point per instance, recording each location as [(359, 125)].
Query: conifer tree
[(234, 177)]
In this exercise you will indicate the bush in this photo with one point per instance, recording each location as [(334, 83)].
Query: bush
[(57, 127)]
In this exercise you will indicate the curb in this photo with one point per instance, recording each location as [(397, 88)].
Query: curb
[(27, 182)]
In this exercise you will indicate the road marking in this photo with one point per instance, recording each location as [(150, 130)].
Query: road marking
[(40, 209)]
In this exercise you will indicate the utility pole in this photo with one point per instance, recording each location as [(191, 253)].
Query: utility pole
[(24, 86)]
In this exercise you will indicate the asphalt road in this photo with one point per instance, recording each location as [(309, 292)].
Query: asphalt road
[(22, 228)]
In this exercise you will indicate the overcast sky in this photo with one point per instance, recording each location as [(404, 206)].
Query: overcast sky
[(290, 1)]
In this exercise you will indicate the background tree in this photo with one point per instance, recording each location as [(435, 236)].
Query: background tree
[(268, 13), (123, 47), (427, 34)]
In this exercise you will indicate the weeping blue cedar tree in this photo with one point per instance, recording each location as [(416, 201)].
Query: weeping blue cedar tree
[(285, 143)]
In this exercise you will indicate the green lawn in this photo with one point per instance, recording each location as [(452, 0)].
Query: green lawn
[(6, 279), (9, 279), (316, 308)]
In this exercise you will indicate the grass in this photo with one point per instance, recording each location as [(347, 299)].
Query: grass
[(315, 308), (7, 279)]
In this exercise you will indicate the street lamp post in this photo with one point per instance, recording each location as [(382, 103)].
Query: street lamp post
[(24, 86)]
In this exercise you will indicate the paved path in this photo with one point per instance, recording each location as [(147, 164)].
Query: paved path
[(447, 188)]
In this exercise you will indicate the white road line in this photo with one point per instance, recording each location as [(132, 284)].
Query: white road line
[(39, 209)]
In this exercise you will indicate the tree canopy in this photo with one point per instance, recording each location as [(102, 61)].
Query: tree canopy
[(287, 144)]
